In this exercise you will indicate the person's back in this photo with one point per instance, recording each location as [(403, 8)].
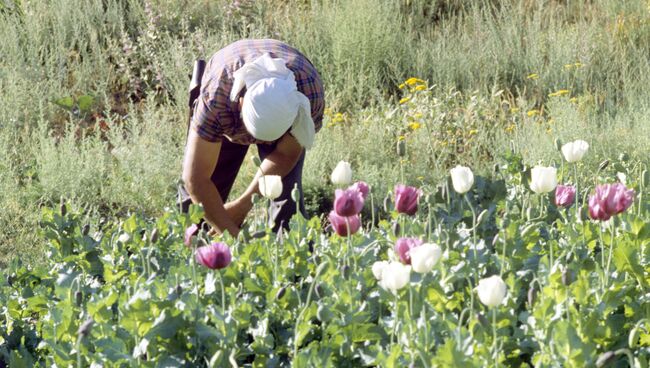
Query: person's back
[(261, 92)]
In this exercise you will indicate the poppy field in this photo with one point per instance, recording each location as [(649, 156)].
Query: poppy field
[(520, 269)]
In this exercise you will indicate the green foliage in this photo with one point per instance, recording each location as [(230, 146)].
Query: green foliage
[(115, 294)]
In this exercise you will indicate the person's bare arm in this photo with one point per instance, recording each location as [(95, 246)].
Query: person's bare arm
[(198, 165), (279, 162)]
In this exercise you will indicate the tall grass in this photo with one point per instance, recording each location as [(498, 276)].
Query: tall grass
[(133, 57)]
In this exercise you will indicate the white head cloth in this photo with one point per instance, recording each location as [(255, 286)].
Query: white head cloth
[(272, 103)]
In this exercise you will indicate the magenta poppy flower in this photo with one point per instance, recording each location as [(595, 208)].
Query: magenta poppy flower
[(362, 187), (214, 256), (190, 232), (609, 200), (403, 246), (406, 199), (564, 195), (341, 226), (348, 202)]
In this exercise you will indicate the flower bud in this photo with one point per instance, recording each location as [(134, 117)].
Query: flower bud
[(397, 228), (605, 358), (319, 291), (345, 271), (280, 293), (85, 230), (558, 144), (645, 178), (85, 328), (63, 209), (258, 234), (387, 203), (154, 236), (532, 293), (603, 165), (256, 161), (401, 148), (633, 338), (567, 278)]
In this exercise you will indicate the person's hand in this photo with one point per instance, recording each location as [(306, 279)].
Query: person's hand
[(237, 210)]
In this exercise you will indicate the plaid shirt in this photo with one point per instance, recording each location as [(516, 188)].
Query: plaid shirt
[(215, 116)]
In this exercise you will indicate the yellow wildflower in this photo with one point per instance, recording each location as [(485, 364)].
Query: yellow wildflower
[(573, 100), (401, 138), (568, 66), (532, 113), (473, 131), (411, 81), (559, 93), (414, 126), (417, 115), (578, 65), (510, 128), (533, 76), (404, 100), (514, 110), (420, 87), (420, 178), (401, 86)]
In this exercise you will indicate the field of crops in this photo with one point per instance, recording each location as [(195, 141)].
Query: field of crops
[(493, 209), (511, 270)]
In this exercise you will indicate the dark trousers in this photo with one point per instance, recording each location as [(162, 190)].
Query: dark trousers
[(231, 157)]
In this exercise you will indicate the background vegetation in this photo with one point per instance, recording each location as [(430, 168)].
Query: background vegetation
[(93, 92)]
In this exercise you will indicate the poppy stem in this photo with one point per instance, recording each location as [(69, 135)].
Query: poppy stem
[(612, 228), (223, 293)]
